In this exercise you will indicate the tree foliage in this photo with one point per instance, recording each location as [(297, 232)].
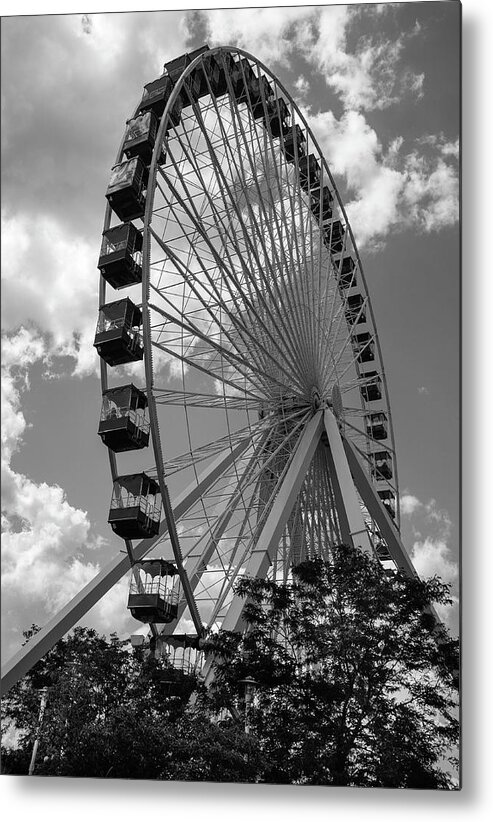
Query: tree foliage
[(352, 688), (112, 712)]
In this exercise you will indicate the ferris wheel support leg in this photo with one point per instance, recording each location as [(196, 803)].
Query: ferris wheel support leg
[(377, 511), (275, 524), (62, 622), (388, 530), (352, 524)]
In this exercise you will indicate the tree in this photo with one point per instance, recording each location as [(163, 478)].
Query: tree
[(115, 712), (352, 687)]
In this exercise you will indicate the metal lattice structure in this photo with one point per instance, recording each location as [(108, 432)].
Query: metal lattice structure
[(248, 326)]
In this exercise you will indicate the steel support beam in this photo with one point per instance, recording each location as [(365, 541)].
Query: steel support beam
[(350, 516), (62, 622), (377, 511)]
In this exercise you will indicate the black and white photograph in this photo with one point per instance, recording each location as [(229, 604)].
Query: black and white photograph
[(231, 413)]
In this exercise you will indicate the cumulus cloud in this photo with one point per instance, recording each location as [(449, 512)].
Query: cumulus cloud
[(44, 537), (50, 281), (69, 82), (432, 557), (409, 504), (367, 77), (432, 554), (392, 190), (265, 32)]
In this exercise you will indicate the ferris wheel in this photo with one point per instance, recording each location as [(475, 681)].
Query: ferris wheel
[(244, 401)]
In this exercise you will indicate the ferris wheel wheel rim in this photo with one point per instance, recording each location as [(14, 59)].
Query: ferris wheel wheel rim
[(147, 220)]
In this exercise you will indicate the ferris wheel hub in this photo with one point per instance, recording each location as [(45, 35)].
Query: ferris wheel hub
[(315, 398)]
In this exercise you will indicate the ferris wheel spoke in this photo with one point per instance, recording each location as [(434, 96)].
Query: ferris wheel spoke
[(257, 348), (189, 361), (258, 228), (240, 326), (203, 452), (355, 355), (282, 265), (307, 275), (352, 325), (265, 150), (337, 339), (168, 396), (198, 559), (257, 377), (335, 265)]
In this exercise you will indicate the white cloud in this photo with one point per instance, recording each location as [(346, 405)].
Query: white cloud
[(264, 32), (393, 190), (430, 196), (44, 537), (409, 504), (369, 76), (431, 554), (302, 87), (50, 280), (422, 389)]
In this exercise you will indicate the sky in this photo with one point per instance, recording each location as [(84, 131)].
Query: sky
[(380, 89)]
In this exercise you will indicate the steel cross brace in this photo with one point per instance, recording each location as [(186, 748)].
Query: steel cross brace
[(58, 626)]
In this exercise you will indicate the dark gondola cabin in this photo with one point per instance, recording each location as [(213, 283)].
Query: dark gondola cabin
[(125, 192), (321, 204), (156, 96), (193, 82), (371, 390), (217, 67), (364, 347), (347, 276), (334, 237), (248, 87), (117, 339), (381, 465), (309, 169), (120, 257), (135, 510), (176, 67), (123, 424), (292, 144), (354, 309), (388, 500), (140, 137), (277, 117), (154, 591), (376, 425)]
